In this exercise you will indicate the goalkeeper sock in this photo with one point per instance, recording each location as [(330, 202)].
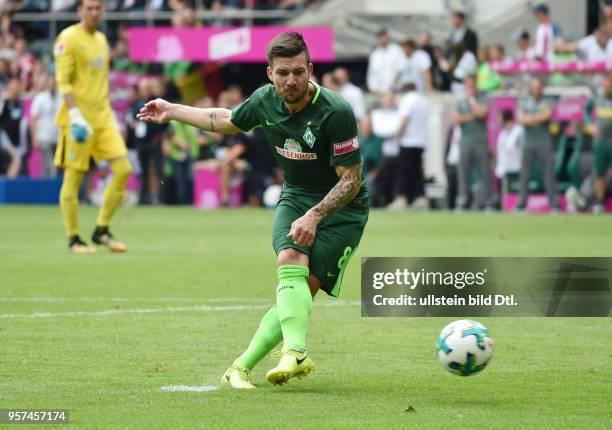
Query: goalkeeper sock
[(69, 200), (267, 336), (115, 190), (293, 304)]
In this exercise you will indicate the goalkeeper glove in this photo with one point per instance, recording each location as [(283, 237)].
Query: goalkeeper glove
[(79, 128)]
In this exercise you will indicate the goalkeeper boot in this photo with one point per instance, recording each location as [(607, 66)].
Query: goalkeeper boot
[(238, 377), (292, 364), (101, 236), (76, 245)]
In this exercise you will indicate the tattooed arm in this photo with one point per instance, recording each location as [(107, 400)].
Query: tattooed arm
[(304, 229), (218, 120)]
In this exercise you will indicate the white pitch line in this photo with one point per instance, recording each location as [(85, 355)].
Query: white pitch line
[(196, 389), (131, 299), (202, 308)]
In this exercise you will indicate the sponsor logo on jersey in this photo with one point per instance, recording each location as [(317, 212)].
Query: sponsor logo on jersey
[(293, 150), (346, 146), (309, 137)]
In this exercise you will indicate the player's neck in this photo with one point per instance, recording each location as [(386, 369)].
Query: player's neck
[(90, 30), (296, 107)]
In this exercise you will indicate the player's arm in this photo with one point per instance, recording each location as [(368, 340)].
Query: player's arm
[(304, 229), (217, 120), (65, 70), (342, 193)]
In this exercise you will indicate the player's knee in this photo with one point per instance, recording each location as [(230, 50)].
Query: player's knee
[(121, 168), (291, 256), (314, 284)]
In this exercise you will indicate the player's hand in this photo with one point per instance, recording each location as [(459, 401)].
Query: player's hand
[(304, 229), (79, 127), (156, 111), (592, 129)]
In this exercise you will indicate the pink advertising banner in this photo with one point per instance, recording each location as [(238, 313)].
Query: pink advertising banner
[(226, 44), (536, 66)]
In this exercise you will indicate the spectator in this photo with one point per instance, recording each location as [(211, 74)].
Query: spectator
[(534, 114), (416, 67), (384, 64), (466, 64), (509, 146), (489, 80), (463, 34), (439, 80), (547, 33), (181, 150), (412, 136), (26, 63), (471, 114), (14, 128), (595, 47), (385, 124), (352, 93), (525, 51), (148, 140), (43, 129), (328, 80)]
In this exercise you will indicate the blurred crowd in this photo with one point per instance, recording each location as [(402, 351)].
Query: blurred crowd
[(392, 107), (402, 79)]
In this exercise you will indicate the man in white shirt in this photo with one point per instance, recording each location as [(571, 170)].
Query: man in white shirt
[(44, 131), (547, 33), (416, 67), (525, 51), (384, 64), (351, 93), (412, 136)]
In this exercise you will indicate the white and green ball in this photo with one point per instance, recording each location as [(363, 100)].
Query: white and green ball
[(464, 347)]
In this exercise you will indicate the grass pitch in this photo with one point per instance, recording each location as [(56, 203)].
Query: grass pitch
[(101, 334)]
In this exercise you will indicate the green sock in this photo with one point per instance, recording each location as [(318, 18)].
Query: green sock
[(267, 336), (293, 304)]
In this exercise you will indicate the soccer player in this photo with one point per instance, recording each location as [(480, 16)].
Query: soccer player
[(87, 126), (322, 210), (601, 129)]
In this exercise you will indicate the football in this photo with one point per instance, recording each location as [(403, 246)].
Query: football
[(464, 347)]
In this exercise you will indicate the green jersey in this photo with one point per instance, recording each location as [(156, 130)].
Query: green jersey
[(474, 131), (539, 133), (308, 144)]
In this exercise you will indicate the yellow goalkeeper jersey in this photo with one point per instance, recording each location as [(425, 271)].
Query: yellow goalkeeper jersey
[(81, 68)]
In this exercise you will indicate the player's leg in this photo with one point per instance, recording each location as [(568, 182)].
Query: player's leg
[(110, 146), (74, 159), (525, 177), (546, 157), (600, 164), (269, 334)]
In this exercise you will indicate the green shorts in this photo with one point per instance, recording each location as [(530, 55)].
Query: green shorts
[(602, 157), (336, 241)]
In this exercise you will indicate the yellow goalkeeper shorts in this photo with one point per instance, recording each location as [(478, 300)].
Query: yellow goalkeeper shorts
[(105, 143)]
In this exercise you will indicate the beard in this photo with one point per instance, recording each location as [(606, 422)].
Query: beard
[(294, 95)]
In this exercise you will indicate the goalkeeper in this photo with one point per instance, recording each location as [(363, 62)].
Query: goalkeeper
[(87, 126)]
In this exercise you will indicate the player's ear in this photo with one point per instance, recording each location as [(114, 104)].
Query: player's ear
[(269, 73), (310, 69)]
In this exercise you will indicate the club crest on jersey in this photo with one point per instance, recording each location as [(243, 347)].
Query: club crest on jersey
[(309, 137), (293, 150), (346, 146), (98, 62)]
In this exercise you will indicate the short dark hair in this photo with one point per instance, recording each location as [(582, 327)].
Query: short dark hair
[(287, 45), (507, 115), (410, 44), (459, 14)]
